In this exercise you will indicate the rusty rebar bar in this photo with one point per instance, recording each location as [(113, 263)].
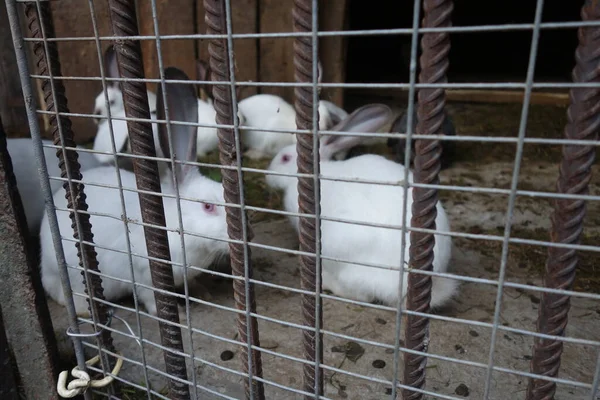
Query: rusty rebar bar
[(129, 59), (434, 64), (238, 227), (40, 24), (567, 219), (307, 188)]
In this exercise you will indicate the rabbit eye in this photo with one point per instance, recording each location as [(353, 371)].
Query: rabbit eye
[(286, 158), (209, 208), (112, 102)]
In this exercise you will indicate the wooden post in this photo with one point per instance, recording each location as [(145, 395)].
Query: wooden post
[(333, 16), (12, 106)]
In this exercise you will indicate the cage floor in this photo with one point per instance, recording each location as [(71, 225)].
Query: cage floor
[(464, 342), (468, 212)]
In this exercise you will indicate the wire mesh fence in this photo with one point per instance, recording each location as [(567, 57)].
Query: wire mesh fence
[(182, 199)]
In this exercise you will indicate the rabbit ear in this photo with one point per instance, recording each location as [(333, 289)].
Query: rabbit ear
[(183, 107), (320, 72), (111, 67), (319, 75), (399, 124), (336, 114), (367, 119)]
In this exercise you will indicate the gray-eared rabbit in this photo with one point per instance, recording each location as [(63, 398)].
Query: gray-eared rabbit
[(366, 203), (203, 217)]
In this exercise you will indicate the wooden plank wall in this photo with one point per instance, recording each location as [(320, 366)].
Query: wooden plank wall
[(333, 16), (244, 20), (277, 54), (175, 17), (72, 18), (264, 60)]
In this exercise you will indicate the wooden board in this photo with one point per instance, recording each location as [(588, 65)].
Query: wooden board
[(477, 96), (332, 49), (175, 17), (244, 14), (79, 58), (276, 55), (506, 96)]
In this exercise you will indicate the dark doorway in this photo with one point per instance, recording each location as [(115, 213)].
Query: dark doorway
[(474, 57)]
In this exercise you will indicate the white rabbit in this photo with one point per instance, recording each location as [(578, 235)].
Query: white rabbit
[(28, 177), (269, 112), (199, 218), (207, 139), (102, 141), (366, 203)]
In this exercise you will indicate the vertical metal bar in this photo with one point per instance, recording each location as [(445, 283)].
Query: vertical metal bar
[(28, 95), (431, 102), (407, 157), (307, 116), (567, 219), (513, 192), (22, 298), (218, 21), (171, 155), (129, 58), (40, 24), (121, 196)]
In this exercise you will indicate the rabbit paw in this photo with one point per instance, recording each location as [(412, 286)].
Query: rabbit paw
[(146, 297), (81, 307)]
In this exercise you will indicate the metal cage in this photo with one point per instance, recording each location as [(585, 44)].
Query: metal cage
[(192, 370)]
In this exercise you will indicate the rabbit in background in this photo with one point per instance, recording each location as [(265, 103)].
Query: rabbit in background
[(204, 219), (116, 105), (367, 203), (207, 135), (28, 178), (207, 139), (264, 112)]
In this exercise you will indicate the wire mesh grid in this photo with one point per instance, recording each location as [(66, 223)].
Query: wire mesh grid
[(320, 343)]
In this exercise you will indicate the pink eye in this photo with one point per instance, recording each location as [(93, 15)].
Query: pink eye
[(209, 208), (286, 158)]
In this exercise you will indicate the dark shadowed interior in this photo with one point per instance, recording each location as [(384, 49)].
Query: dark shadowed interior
[(479, 56)]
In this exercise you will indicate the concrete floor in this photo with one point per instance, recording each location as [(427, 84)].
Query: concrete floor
[(468, 213)]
